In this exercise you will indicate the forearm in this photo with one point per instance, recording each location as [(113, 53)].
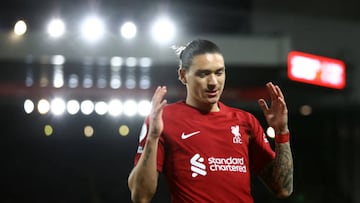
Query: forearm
[(278, 175), (283, 169), (144, 177)]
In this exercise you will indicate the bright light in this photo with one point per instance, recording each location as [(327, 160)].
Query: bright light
[(144, 107), (128, 30), (92, 29), (20, 28), (72, 107), (88, 131), (73, 81), (58, 106), (101, 82), (58, 80), (43, 106), (115, 107), (270, 132), (130, 82), (144, 82), (131, 61), (305, 110), (29, 81), (57, 59), (29, 106), (56, 28), (163, 30), (101, 108), (130, 108), (88, 81), (115, 82), (116, 61), (87, 107), (145, 62), (124, 130), (48, 130), (316, 70)]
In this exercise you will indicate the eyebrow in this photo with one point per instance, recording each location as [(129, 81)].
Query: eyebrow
[(208, 70)]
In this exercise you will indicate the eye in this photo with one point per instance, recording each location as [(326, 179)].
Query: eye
[(203, 74), (219, 72)]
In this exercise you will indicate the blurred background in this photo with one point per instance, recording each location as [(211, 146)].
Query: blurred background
[(76, 78)]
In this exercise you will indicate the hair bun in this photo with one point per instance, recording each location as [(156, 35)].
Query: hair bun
[(178, 50)]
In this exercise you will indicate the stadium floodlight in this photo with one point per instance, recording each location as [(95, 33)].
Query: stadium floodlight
[(73, 107), (58, 106), (56, 28), (20, 28), (29, 106), (101, 108), (87, 107), (92, 28), (128, 30), (144, 107), (116, 61), (43, 106), (145, 62), (115, 107), (130, 107), (58, 60), (163, 30)]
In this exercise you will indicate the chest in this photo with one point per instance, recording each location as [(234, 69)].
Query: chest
[(219, 135)]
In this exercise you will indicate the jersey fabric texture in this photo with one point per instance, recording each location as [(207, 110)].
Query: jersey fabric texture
[(208, 157)]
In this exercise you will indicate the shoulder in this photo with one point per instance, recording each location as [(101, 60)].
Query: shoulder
[(230, 109), (175, 108)]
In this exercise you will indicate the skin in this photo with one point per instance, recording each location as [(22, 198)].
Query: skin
[(204, 82), (278, 174)]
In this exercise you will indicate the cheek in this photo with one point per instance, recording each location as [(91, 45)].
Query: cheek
[(196, 82)]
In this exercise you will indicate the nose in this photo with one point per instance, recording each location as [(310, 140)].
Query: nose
[(212, 80)]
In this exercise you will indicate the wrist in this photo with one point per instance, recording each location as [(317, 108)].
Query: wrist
[(152, 138), (282, 131), (282, 137)]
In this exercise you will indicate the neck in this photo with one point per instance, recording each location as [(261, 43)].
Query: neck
[(204, 107)]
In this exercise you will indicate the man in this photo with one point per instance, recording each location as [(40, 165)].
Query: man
[(205, 148)]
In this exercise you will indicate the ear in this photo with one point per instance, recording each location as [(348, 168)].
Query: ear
[(182, 75)]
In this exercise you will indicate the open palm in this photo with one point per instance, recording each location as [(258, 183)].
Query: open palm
[(277, 114)]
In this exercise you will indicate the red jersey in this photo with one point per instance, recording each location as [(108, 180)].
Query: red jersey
[(208, 157)]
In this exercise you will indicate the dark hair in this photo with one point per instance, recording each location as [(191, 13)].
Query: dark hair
[(194, 48)]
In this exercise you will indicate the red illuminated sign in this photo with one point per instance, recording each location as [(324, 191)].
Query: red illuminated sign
[(316, 70)]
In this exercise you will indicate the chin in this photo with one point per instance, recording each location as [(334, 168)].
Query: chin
[(213, 100)]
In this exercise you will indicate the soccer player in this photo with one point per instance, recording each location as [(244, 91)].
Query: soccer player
[(205, 148)]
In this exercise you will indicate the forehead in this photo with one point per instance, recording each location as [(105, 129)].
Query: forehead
[(208, 61)]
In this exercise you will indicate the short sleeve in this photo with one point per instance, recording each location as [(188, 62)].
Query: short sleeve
[(141, 145), (260, 151)]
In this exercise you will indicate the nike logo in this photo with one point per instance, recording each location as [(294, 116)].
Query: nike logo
[(185, 136)]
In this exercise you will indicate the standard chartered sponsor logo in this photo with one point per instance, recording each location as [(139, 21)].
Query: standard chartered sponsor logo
[(216, 164), (197, 166), (232, 164)]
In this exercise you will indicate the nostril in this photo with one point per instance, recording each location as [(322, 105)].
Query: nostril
[(211, 87)]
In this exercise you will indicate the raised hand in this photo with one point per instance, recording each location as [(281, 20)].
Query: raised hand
[(158, 102), (277, 114)]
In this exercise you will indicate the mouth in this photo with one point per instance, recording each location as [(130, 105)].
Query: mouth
[(212, 93)]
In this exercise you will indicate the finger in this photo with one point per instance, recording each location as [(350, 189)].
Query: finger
[(283, 104), (158, 101), (263, 105), (159, 95), (272, 91), (279, 92)]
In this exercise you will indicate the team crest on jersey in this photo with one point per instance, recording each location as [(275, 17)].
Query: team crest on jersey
[(235, 130)]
